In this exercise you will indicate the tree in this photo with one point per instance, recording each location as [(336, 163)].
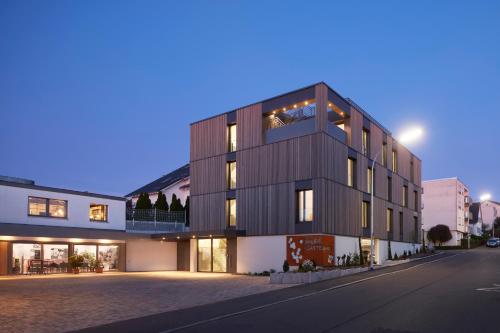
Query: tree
[(143, 202), (161, 202), (186, 209), (175, 204), (439, 234)]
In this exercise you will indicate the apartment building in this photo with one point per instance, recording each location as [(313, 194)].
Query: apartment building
[(447, 201), (289, 177), (43, 226)]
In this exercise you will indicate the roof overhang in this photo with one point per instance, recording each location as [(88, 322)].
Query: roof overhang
[(172, 237)]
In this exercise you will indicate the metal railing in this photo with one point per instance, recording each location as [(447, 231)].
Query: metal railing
[(291, 116), (155, 221)]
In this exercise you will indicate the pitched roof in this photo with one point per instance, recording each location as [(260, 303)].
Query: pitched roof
[(163, 182)]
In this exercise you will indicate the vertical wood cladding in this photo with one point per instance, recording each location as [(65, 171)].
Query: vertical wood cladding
[(267, 174), (249, 126), (208, 138)]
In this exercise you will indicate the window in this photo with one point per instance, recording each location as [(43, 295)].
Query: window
[(384, 154), (412, 171), (305, 206), (47, 207), (365, 208), (231, 137), (415, 200), (351, 172), (366, 142), (231, 212), (394, 161), (98, 213), (388, 220), (231, 175), (405, 196), (369, 180), (389, 188), (415, 231), (400, 225)]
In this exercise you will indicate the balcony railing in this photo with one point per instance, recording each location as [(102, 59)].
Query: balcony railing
[(155, 221), (291, 116)]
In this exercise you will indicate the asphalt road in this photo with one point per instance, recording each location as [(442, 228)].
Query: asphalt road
[(450, 292)]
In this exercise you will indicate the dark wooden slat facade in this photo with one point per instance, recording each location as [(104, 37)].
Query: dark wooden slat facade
[(268, 175)]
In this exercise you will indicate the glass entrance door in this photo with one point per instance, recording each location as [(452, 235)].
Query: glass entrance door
[(23, 256), (212, 255)]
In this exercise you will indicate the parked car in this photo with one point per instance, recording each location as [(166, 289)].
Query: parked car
[(493, 242)]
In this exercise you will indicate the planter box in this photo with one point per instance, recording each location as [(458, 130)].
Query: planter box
[(310, 277)]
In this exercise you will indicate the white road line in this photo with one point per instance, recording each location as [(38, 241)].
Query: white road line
[(233, 314)]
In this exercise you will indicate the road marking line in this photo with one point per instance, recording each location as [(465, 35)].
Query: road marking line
[(496, 288), (256, 308)]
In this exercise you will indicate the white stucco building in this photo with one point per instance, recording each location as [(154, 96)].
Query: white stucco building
[(446, 201)]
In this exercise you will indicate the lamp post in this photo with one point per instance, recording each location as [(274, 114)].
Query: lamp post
[(407, 137), (482, 198)]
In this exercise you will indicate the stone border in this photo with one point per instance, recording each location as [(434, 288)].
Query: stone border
[(310, 277)]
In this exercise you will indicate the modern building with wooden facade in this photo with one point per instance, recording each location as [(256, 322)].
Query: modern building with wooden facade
[(290, 178)]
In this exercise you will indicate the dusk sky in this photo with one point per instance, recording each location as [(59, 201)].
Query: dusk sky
[(99, 95)]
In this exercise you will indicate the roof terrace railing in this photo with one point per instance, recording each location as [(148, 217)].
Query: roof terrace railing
[(155, 221)]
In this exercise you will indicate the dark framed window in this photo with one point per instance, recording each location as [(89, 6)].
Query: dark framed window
[(401, 224), (231, 212), (351, 172), (305, 206), (389, 189), (365, 214), (405, 196), (231, 138), (98, 213), (384, 154), (366, 142), (415, 200), (47, 207), (231, 175)]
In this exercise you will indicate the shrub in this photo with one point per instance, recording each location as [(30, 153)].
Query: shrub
[(338, 260), (76, 261), (404, 254), (395, 256), (307, 266), (286, 266), (439, 234)]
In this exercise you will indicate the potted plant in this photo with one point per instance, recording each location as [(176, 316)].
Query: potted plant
[(76, 261), (98, 267)]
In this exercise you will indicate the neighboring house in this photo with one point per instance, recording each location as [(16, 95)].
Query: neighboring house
[(446, 201), (43, 226), (176, 182), (488, 212), (289, 178), (475, 224)]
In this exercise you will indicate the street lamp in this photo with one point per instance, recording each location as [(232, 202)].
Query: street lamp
[(485, 197), (410, 135)]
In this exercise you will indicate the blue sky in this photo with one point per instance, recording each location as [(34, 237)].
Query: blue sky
[(99, 96)]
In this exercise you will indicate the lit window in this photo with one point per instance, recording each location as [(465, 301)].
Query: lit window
[(98, 212), (369, 180), (365, 207), (388, 220), (351, 172), (394, 161), (305, 205), (231, 175), (231, 212), (231, 136), (366, 142), (405, 196), (47, 207)]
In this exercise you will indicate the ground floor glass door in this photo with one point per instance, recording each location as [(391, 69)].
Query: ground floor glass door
[(108, 256), (212, 255), (23, 255), (55, 257)]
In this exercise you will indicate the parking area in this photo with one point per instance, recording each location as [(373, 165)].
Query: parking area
[(68, 302)]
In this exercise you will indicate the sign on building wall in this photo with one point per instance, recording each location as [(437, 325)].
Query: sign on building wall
[(319, 248)]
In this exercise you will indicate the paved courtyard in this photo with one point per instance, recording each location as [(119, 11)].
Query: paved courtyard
[(69, 302)]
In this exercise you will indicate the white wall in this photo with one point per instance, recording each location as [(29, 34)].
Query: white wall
[(151, 255), (489, 211), (400, 247), (14, 209), (260, 253), (346, 245)]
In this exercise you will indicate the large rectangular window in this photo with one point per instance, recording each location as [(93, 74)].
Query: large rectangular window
[(401, 226), (351, 172), (415, 229), (231, 175), (369, 180), (98, 213), (26, 257), (388, 220), (394, 161), (384, 154), (305, 206), (415, 200), (365, 214), (405, 196), (231, 212), (55, 257), (231, 137), (412, 172), (366, 142), (47, 207), (212, 255)]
